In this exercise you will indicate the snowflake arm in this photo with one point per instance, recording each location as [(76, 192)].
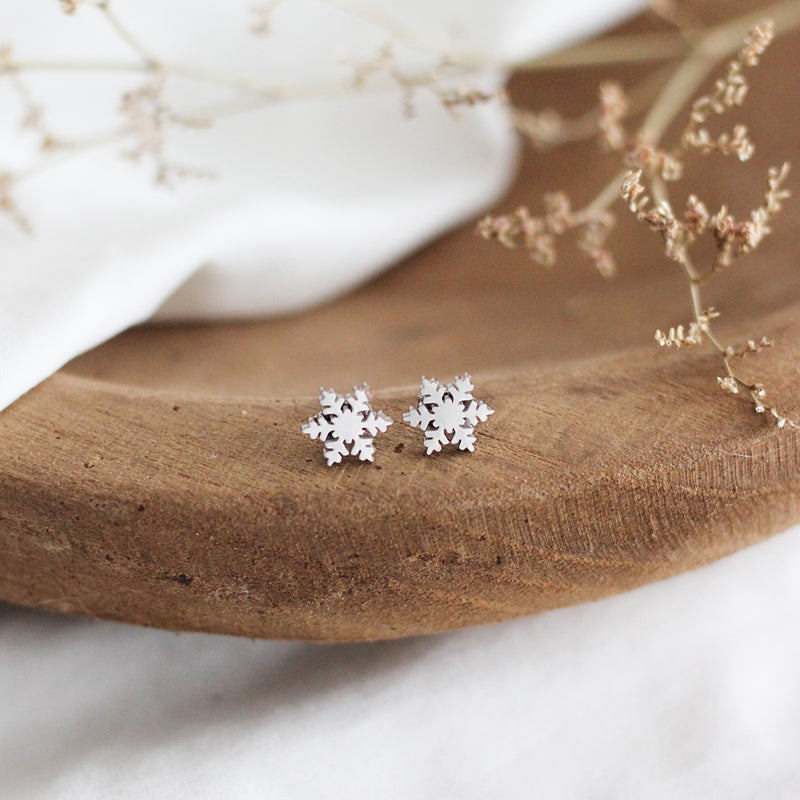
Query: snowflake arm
[(419, 416), (476, 412), (376, 423), (316, 429), (464, 438), (434, 439), (364, 448), (334, 450)]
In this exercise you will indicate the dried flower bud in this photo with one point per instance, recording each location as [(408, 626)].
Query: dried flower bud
[(558, 212), (592, 242), (758, 40), (695, 216), (8, 204), (654, 160), (543, 129), (680, 337), (633, 192), (614, 105)]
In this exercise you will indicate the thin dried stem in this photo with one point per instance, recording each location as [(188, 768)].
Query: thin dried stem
[(104, 6)]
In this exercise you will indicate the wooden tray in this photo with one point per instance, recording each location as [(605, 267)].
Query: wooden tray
[(162, 479)]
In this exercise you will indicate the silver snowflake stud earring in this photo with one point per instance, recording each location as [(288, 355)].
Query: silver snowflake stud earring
[(447, 409), (346, 420)]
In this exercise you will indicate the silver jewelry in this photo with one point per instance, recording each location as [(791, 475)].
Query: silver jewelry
[(447, 409), (346, 425)]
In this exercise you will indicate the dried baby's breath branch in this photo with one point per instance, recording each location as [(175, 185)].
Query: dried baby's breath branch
[(751, 346), (732, 238), (547, 128), (8, 204), (149, 118), (649, 169), (691, 335), (593, 243), (433, 81), (680, 337), (729, 92), (614, 106), (538, 235), (521, 229), (33, 118)]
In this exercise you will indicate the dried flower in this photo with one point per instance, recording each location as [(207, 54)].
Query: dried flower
[(646, 157), (558, 212), (148, 118), (614, 106), (729, 92), (734, 239), (543, 129), (695, 217), (758, 40), (751, 346), (385, 63), (680, 337), (8, 204), (633, 192), (592, 241)]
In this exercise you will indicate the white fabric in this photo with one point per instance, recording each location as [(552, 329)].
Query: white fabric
[(685, 689), (310, 196)]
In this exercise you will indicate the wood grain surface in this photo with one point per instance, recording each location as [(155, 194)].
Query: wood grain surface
[(163, 479)]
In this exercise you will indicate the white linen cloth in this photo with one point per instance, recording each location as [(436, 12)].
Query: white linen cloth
[(683, 689), (310, 196)]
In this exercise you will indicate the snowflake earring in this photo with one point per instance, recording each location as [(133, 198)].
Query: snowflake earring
[(444, 409), (346, 420)]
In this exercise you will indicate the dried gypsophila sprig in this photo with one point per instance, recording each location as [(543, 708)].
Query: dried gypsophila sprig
[(538, 234), (434, 81), (535, 234), (751, 346), (729, 92), (757, 395), (613, 136), (652, 164), (733, 239), (639, 154), (690, 335), (33, 117), (149, 117), (9, 205)]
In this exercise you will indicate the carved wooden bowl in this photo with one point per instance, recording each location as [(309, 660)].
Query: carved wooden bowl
[(163, 478)]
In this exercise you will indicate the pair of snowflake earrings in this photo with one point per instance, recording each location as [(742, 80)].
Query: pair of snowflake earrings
[(447, 413)]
